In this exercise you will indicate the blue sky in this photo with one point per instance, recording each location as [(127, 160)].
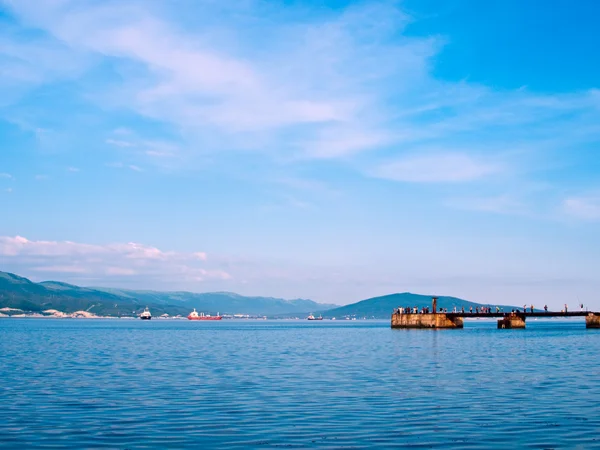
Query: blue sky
[(327, 150)]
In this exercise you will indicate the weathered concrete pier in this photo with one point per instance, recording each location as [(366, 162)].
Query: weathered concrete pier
[(440, 320), (512, 320), (507, 320), (592, 320)]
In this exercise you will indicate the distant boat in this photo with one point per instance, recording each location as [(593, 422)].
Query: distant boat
[(311, 317), (195, 316), (146, 314)]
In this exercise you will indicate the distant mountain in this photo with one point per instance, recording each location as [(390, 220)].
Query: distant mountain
[(224, 302), (382, 307), (21, 293)]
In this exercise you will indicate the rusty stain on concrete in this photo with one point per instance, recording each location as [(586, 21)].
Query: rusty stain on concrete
[(512, 321), (592, 321), (426, 321)]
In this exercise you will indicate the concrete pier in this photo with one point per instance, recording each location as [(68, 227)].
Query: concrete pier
[(592, 321), (426, 321), (414, 317), (512, 321)]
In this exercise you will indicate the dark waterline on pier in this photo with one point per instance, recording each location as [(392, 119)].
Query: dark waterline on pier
[(263, 384)]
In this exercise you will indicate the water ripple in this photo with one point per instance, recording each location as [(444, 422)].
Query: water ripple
[(125, 384)]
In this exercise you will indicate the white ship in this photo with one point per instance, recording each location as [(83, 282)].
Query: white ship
[(146, 314)]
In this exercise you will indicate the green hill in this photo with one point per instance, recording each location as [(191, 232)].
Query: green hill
[(382, 307), (21, 293)]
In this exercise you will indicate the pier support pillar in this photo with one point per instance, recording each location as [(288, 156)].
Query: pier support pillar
[(426, 321), (592, 321), (511, 321)]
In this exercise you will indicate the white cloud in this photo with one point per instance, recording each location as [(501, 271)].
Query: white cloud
[(6, 175), (119, 143), (499, 204), (200, 255), (120, 165), (159, 149), (587, 208), (327, 86), (320, 76), (436, 168), (18, 245), (72, 169), (335, 142), (120, 271), (28, 62), (61, 269), (344, 84), (110, 260), (158, 154), (332, 85)]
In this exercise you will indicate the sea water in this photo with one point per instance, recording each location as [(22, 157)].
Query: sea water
[(296, 384)]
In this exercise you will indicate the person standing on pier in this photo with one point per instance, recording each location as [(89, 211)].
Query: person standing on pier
[(532, 309), (566, 308), (546, 308)]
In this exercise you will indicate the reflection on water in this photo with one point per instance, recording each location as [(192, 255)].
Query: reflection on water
[(134, 384)]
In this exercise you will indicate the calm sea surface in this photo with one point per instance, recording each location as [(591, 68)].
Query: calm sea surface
[(296, 384)]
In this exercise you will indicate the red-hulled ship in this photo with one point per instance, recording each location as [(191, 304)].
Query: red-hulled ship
[(195, 316)]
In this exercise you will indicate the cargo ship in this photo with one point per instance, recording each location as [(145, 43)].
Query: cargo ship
[(311, 317), (146, 314), (195, 316)]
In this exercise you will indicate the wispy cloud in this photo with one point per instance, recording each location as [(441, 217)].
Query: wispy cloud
[(437, 168), (329, 86), (120, 165), (6, 175), (319, 76), (584, 207), (158, 153), (498, 204), (120, 271), (276, 97), (120, 143), (315, 187), (61, 269), (159, 149)]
